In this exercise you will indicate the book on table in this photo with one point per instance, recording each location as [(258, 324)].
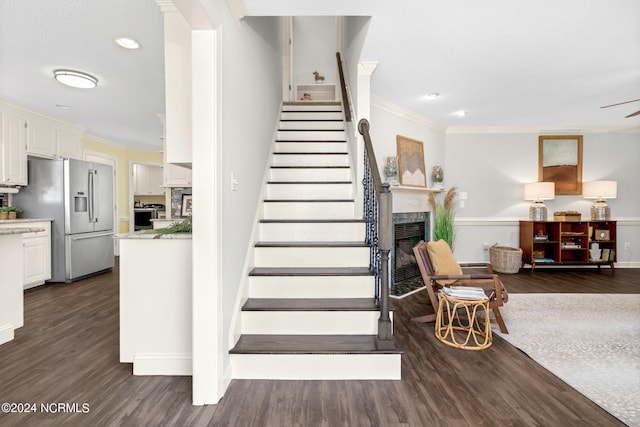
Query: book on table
[(465, 292)]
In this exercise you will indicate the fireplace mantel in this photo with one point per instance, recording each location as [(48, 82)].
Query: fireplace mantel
[(411, 199)]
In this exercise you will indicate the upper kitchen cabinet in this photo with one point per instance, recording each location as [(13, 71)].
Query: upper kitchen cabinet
[(147, 180), (176, 176), (178, 72), (13, 149), (53, 140)]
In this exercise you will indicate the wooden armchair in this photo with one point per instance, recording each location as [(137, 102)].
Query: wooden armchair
[(488, 281)]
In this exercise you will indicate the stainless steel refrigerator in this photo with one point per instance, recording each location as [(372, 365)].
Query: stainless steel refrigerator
[(78, 197)]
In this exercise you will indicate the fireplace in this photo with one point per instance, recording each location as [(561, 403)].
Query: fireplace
[(408, 229)]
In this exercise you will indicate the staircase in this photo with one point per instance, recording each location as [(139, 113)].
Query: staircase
[(311, 312)]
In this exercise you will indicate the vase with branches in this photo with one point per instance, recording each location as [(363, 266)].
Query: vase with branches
[(443, 214)]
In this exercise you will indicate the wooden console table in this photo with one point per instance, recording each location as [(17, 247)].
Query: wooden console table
[(567, 242)]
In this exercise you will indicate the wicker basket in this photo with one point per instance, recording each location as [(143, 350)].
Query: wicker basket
[(505, 259)]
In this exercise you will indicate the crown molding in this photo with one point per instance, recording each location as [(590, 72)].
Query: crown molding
[(399, 111), (538, 130), (166, 6)]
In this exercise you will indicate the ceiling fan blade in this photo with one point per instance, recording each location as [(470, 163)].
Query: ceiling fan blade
[(632, 114), (620, 103)]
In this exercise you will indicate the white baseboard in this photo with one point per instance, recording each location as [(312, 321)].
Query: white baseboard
[(162, 364), (6, 333)]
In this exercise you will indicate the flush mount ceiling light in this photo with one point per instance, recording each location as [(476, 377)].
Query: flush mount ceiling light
[(75, 79), (433, 95), (127, 43), (460, 113)]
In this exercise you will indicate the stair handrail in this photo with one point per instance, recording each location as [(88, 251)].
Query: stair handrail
[(344, 88), (378, 218)]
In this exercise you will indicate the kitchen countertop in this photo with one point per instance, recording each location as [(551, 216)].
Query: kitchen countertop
[(22, 220), (146, 235), (19, 230)]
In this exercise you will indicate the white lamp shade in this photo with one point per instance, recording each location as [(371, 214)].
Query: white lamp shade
[(539, 191), (600, 190)]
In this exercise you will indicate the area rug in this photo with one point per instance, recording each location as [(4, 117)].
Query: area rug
[(590, 341)]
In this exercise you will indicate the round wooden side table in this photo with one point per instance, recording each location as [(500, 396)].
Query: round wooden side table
[(458, 324)]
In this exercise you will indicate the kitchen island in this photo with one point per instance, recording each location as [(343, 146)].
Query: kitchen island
[(11, 285), (155, 302)]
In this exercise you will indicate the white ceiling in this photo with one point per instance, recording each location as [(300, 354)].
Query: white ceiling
[(546, 64), (38, 36)]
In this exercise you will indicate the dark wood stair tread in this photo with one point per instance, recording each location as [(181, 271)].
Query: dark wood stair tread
[(308, 344), (344, 141), (312, 221), (308, 200), (310, 304), (312, 244), (324, 153), (310, 167), (309, 182), (312, 103), (311, 271)]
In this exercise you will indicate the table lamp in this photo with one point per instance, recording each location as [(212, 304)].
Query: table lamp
[(600, 191), (539, 191)]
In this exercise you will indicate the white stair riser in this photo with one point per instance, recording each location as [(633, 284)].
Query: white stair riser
[(311, 125), (311, 147), (305, 115), (310, 191), (316, 366), (319, 107), (310, 160), (311, 286), (310, 232), (310, 174), (311, 210), (310, 322), (311, 135), (311, 257)]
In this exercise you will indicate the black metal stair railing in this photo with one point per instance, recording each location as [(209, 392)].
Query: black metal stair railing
[(378, 219)]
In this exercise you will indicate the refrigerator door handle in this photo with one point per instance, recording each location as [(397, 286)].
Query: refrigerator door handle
[(92, 196), (91, 236)]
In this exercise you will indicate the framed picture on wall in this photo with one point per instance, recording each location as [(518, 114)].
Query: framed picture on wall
[(411, 162), (560, 161), (186, 205)]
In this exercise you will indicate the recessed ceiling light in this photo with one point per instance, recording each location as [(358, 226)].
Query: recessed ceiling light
[(433, 95), (127, 43), (460, 113), (75, 79)]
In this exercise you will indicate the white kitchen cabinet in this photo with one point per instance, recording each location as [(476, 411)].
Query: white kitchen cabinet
[(36, 252), (178, 87), (37, 255), (13, 145), (176, 176), (50, 140), (148, 180)]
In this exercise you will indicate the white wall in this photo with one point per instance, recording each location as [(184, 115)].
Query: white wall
[(385, 126), (251, 96), (314, 49), (492, 168), (355, 30)]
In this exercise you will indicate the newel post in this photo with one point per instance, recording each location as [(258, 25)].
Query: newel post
[(385, 340)]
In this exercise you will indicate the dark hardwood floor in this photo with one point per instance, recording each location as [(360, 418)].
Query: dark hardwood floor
[(67, 352)]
